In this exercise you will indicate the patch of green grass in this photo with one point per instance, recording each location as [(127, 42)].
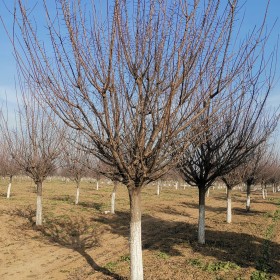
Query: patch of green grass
[(213, 266), (260, 275), (196, 263), (267, 215), (163, 255), (111, 266), (220, 266), (276, 215), (125, 258)]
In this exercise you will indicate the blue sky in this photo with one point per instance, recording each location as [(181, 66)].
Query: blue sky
[(252, 11)]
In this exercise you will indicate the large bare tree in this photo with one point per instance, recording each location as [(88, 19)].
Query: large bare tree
[(34, 143), (131, 75)]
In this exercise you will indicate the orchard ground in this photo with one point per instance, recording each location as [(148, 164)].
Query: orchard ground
[(82, 242)]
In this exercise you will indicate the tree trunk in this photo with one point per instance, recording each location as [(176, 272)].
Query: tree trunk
[(228, 205), (77, 193), (201, 219), (158, 188), (9, 187), (97, 185), (39, 204), (208, 192), (113, 198), (263, 193), (176, 186), (136, 263), (248, 200)]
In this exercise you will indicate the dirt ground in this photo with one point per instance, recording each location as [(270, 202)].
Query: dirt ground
[(82, 242)]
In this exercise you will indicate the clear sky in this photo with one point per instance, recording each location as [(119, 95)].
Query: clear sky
[(252, 11)]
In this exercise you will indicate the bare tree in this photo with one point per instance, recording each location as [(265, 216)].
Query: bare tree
[(131, 77), (228, 140), (231, 180), (251, 171), (76, 162), (267, 165), (34, 144), (274, 174), (8, 166)]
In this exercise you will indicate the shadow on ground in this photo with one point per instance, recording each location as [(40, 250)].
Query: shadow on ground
[(160, 235), (79, 235), (169, 236), (74, 233)]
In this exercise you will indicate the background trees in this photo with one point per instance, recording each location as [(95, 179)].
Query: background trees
[(76, 163), (251, 172), (231, 179), (229, 139), (8, 166), (34, 143)]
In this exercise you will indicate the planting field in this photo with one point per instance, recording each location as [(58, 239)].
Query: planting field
[(82, 242)]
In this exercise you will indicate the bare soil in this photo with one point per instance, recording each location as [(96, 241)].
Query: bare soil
[(82, 242)]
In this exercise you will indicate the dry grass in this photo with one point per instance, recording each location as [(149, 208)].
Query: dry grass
[(81, 242)]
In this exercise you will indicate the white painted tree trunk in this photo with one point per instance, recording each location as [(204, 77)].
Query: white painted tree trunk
[(136, 262), (9, 190), (77, 194), (39, 209), (9, 187), (248, 200), (176, 186), (201, 217), (158, 188), (263, 193), (208, 192), (229, 216), (97, 185), (113, 198)]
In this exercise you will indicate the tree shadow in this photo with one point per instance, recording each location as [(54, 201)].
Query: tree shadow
[(27, 212), (242, 211), (274, 201), (172, 211), (64, 198), (76, 234), (207, 207), (223, 209), (170, 236), (94, 205)]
